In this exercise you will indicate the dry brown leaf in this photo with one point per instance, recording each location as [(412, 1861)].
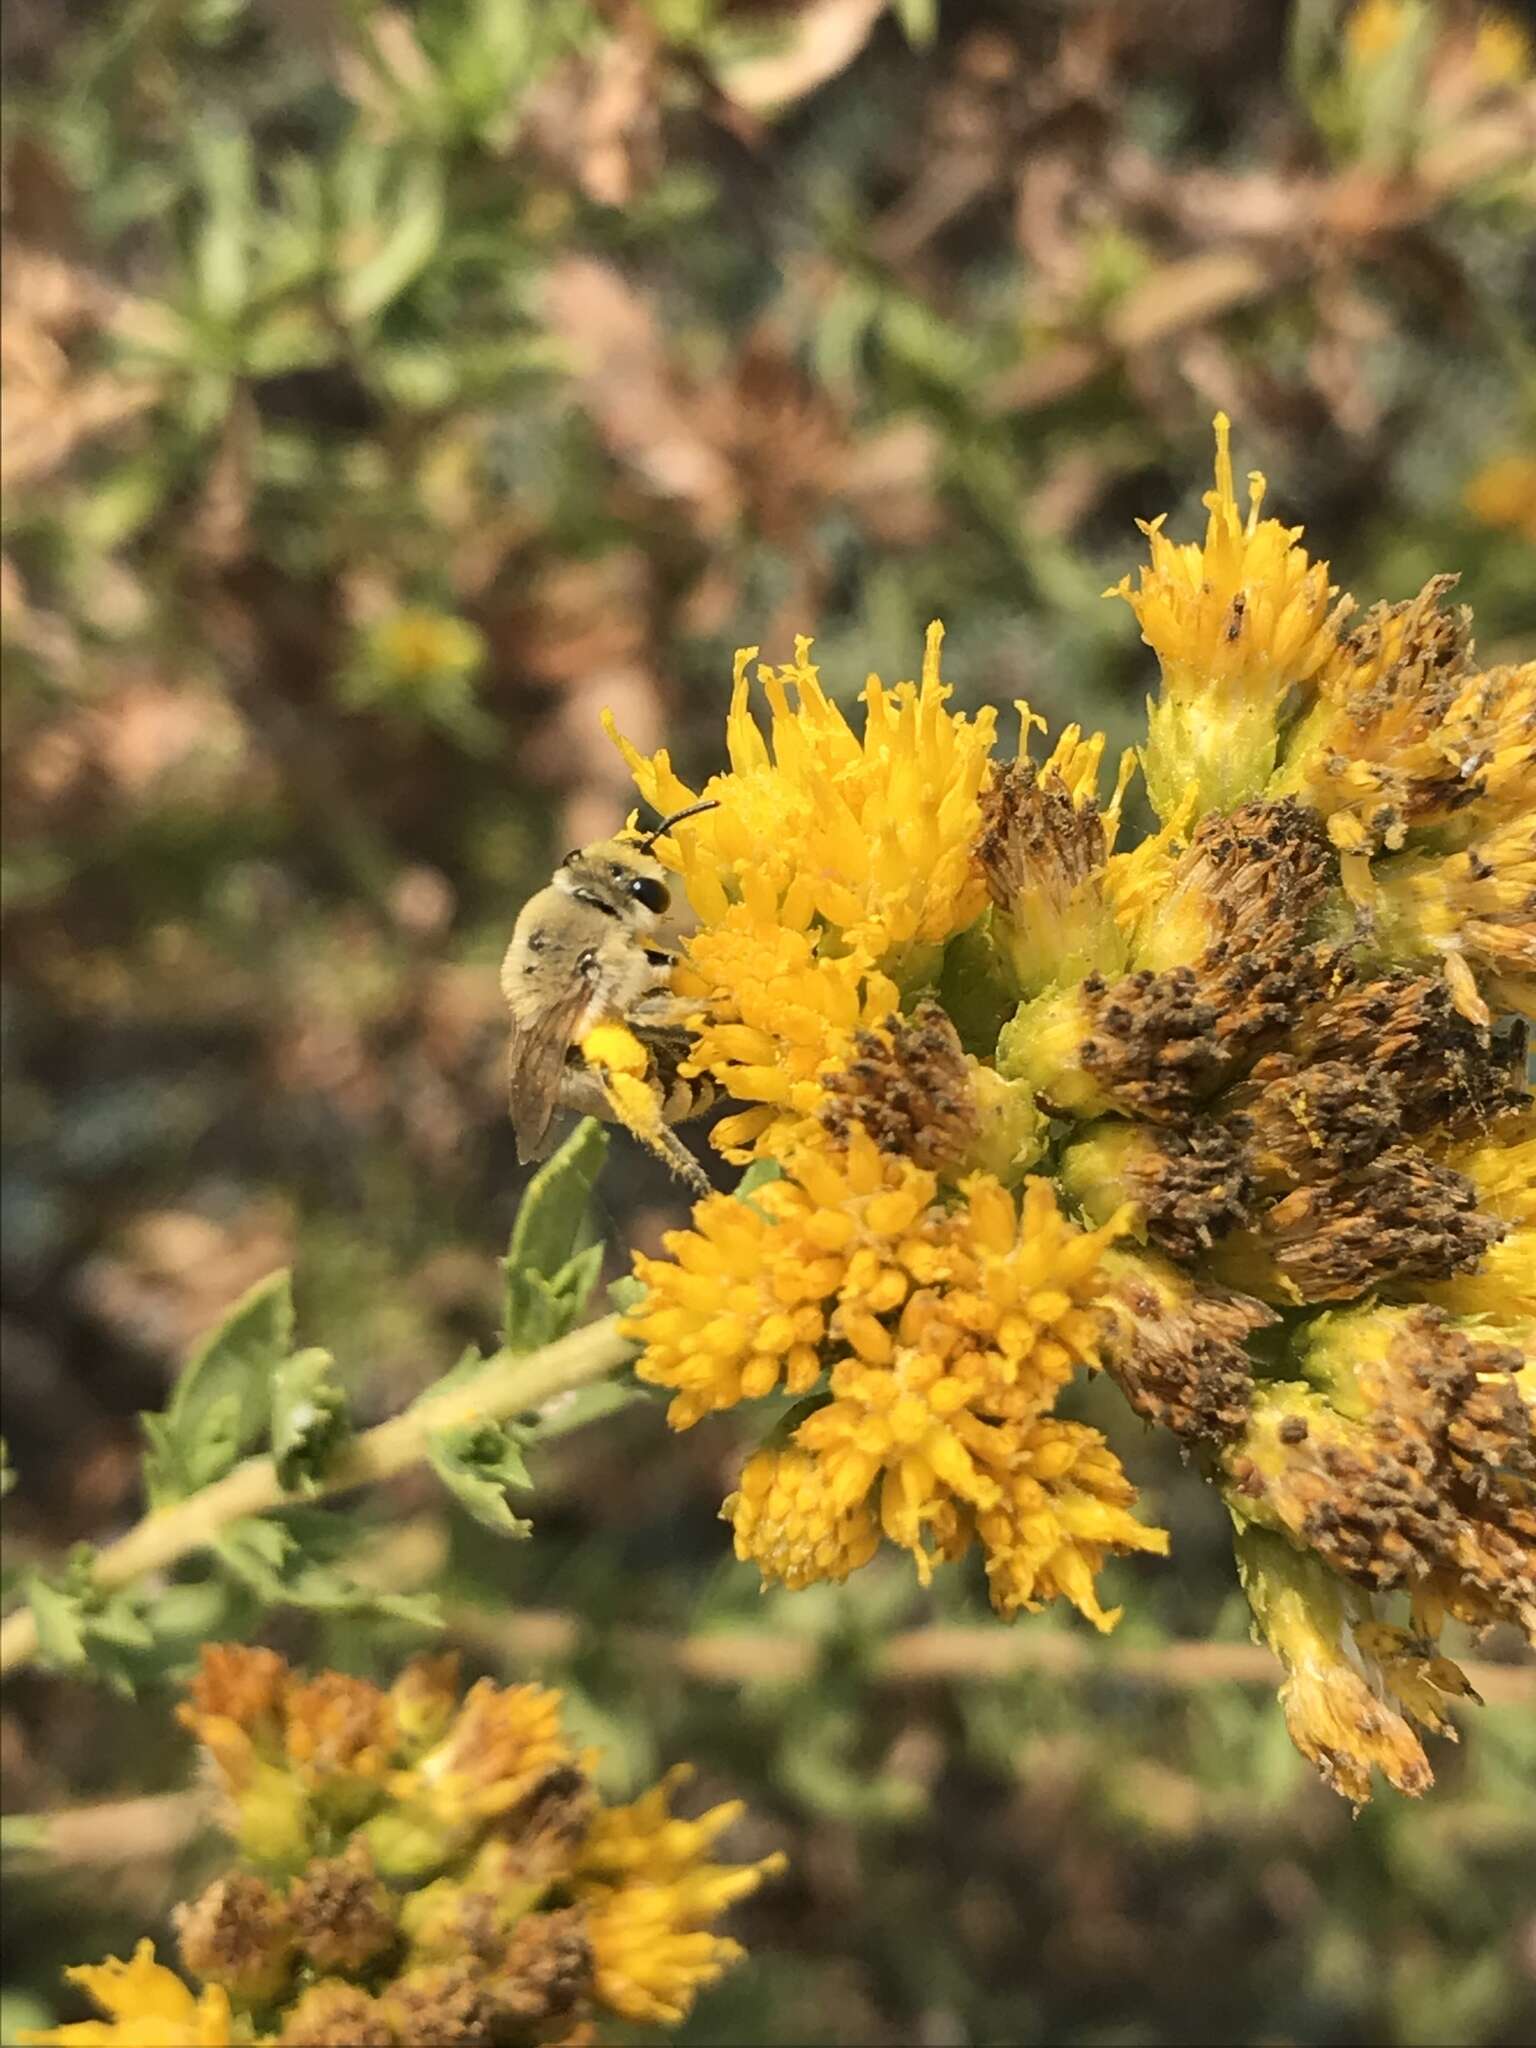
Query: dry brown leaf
[(623, 377)]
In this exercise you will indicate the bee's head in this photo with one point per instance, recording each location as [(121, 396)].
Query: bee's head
[(624, 874), (621, 874)]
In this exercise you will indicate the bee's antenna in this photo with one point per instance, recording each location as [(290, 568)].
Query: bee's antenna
[(708, 803)]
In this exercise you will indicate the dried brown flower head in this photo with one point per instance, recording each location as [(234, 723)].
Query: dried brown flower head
[(909, 1087)]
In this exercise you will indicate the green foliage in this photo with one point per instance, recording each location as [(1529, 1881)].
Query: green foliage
[(549, 1274), (286, 1561), (310, 1424), (423, 385), (222, 1403), (478, 1463)]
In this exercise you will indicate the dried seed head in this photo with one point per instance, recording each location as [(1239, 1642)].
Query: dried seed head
[(1249, 882), (1399, 1219), (909, 1087), (1034, 839), (1153, 1043), (238, 1933), (1388, 744), (547, 1971), (1407, 1029), (335, 2014), (1362, 1496), (449, 2004), (1409, 1461), (1312, 1122), (1177, 1352), (343, 1916), (538, 1838), (1191, 1184)]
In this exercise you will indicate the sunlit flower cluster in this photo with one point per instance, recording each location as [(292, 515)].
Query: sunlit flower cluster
[(1237, 1114), (440, 1869)]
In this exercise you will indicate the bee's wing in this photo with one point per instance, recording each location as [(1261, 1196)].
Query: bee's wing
[(536, 1052)]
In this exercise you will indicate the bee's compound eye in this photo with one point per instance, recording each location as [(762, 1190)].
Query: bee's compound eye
[(656, 896)]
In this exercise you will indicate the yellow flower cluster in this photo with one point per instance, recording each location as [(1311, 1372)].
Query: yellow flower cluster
[(442, 1871), (1267, 1042), (1236, 624), (946, 1332), (834, 870)]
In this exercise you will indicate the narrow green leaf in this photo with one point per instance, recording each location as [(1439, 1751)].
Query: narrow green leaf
[(282, 1562), (7, 1469), (221, 1404), (477, 1463), (311, 1424), (554, 1206), (581, 1405), (406, 246), (60, 1623)]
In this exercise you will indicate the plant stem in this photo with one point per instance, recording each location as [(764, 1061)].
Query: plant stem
[(512, 1383)]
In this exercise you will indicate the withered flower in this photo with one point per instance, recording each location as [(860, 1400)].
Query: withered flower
[(908, 1085), (1178, 1351), (1399, 1220), (1190, 1183)]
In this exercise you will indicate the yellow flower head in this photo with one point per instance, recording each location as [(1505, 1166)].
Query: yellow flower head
[(835, 866), (1235, 624), (776, 1014), (867, 835), (147, 2006), (650, 1892), (503, 1740), (786, 1520), (1352, 1689), (946, 1333)]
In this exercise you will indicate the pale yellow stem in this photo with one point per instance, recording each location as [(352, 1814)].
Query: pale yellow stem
[(513, 1383)]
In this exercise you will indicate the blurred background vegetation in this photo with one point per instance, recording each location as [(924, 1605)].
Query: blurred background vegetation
[(389, 389)]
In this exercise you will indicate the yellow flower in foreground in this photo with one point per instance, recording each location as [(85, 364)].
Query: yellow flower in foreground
[(650, 1892), (1353, 1687), (148, 2006), (776, 1015), (1236, 623), (866, 834), (489, 1897), (946, 1334)]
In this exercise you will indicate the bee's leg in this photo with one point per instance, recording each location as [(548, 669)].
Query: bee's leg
[(642, 1112), (616, 1059)]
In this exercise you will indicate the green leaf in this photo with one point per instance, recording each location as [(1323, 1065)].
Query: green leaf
[(581, 1405), (407, 245), (285, 1563), (477, 1462), (554, 1205), (626, 1293), (221, 1404), (61, 1624), (7, 1469), (548, 1279), (311, 1424)]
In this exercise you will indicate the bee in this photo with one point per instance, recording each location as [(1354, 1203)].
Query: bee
[(597, 946)]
